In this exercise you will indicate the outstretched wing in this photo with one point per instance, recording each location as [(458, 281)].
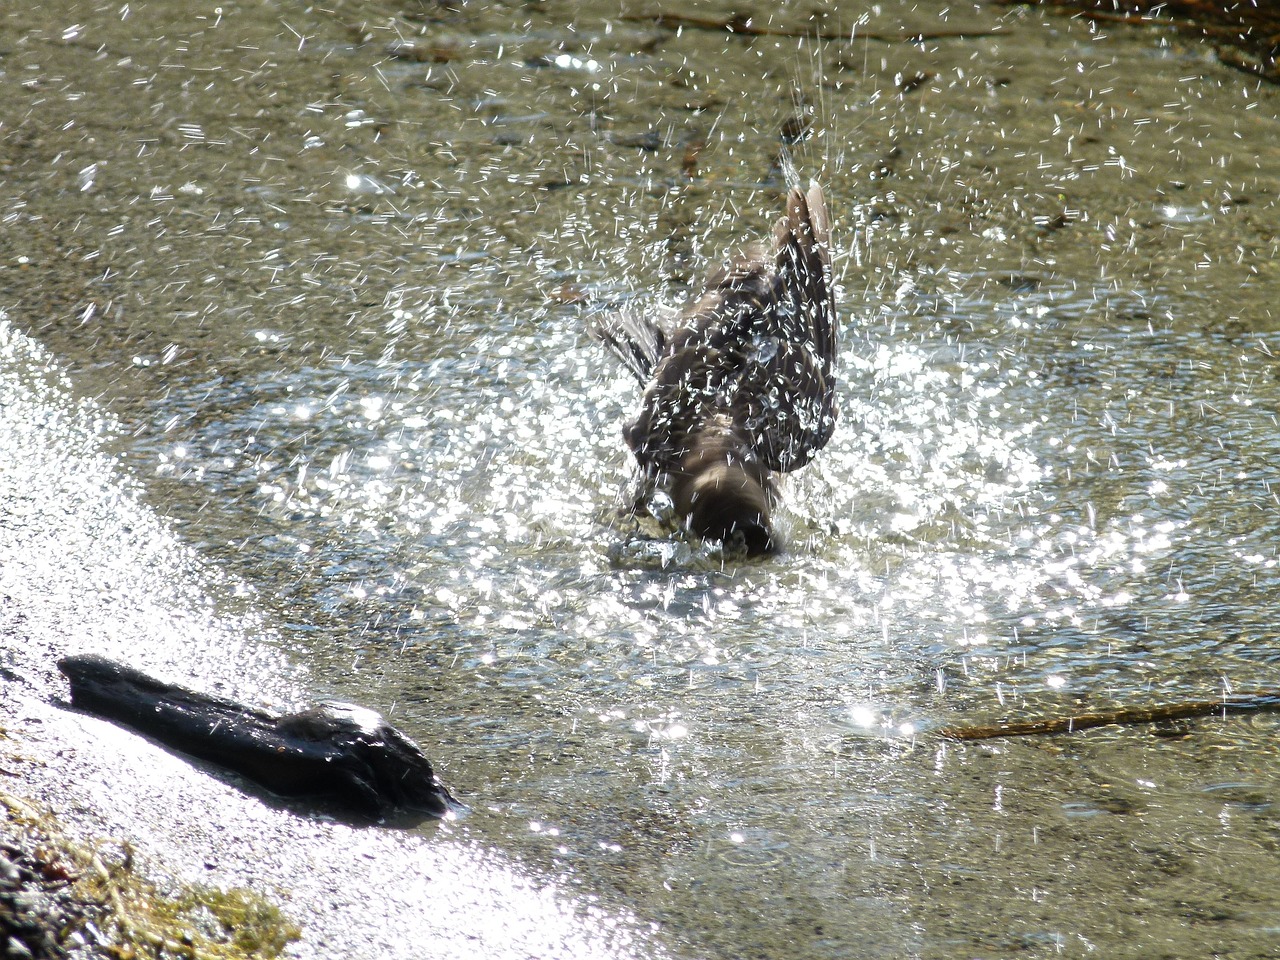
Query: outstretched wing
[(634, 334), (785, 397)]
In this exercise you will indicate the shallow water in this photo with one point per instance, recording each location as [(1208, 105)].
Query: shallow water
[(332, 298)]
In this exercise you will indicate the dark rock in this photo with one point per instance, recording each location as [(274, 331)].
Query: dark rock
[(335, 753)]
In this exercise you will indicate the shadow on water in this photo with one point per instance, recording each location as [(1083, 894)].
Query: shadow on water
[(346, 345)]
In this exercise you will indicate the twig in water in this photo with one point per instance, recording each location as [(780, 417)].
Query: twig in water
[(1240, 703), (747, 26)]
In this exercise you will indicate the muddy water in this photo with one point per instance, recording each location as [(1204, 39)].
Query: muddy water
[(326, 274)]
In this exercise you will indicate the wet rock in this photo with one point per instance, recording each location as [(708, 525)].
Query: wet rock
[(334, 753)]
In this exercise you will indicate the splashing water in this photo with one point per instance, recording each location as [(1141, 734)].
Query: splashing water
[(1049, 485)]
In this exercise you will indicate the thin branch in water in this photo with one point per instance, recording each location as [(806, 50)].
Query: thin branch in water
[(747, 26), (1241, 703)]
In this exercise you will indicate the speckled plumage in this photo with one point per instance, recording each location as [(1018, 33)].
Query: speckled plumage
[(740, 384)]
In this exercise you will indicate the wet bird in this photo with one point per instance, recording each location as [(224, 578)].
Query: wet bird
[(739, 384)]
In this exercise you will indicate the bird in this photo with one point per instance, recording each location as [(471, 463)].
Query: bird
[(739, 383)]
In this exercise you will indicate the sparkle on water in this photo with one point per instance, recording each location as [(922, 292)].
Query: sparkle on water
[(1050, 485)]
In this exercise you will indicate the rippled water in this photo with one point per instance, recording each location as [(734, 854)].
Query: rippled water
[(1050, 489)]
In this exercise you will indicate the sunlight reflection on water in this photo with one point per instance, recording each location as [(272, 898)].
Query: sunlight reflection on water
[(1049, 484), (463, 510)]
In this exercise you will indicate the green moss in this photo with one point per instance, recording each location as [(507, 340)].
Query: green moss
[(135, 918), (249, 923)]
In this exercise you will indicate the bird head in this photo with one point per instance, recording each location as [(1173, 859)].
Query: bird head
[(727, 501)]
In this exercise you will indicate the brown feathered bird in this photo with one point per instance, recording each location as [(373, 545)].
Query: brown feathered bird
[(740, 383)]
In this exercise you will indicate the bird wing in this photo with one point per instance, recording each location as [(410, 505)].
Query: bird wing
[(694, 384), (754, 354), (786, 394), (635, 334)]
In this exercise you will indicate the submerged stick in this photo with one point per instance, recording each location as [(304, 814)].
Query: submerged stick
[(747, 26), (334, 752), (1155, 713)]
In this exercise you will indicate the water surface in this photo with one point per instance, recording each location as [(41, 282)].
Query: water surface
[(330, 273)]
